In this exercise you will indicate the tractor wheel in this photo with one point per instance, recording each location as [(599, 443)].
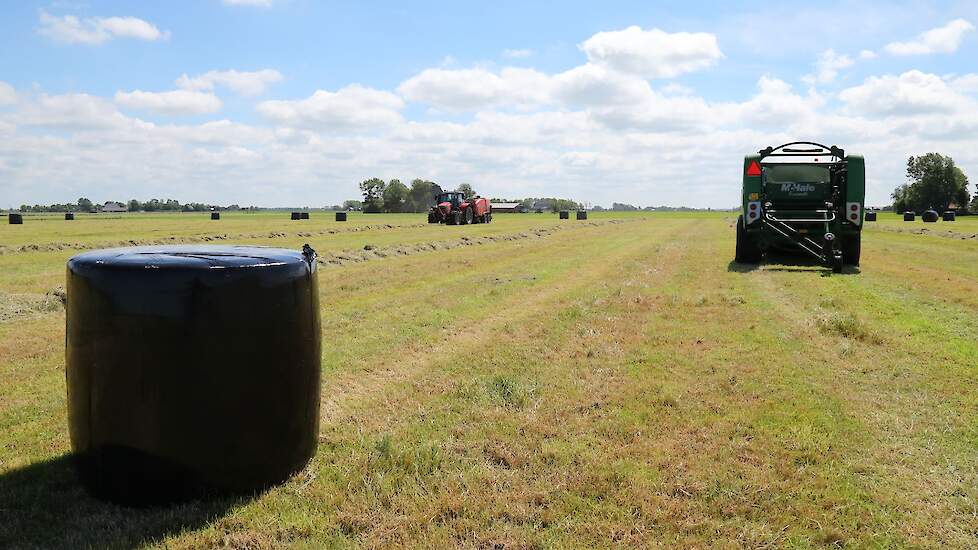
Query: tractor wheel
[(747, 252), (432, 218), (456, 218), (489, 217), (850, 250), (469, 218)]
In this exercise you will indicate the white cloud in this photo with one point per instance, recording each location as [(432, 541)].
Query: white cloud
[(96, 30), (352, 107), (518, 53), (242, 82), (7, 94), (175, 102), (827, 67), (467, 89), (653, 53), (866, 55), (912, 93), (259, 3), (596, 85), (967, 83), (946, 39)]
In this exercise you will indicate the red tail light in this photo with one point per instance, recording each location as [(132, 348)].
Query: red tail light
[(754, 169)]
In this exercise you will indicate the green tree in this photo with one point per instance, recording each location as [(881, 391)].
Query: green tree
[(934, 182), (466, 189), (395, 196), (85, 205), (135, 206), (373, 194), (422, 194), (352, 205)]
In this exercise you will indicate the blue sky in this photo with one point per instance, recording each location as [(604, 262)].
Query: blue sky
[(294, 101)]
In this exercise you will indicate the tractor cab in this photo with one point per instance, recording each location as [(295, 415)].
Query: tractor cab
[(452, 197), (802, 196)]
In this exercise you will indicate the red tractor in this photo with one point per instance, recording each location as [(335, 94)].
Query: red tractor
[(453, 208)]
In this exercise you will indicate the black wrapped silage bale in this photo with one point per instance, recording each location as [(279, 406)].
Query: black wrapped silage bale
[(564, 215), (950, 216), (870, 216), (304, 215), (297, 215), (582, 214), (69, 216), (15, 219), (909, 216), (191, 370), (215, 215), (341, 216), (929, 216)]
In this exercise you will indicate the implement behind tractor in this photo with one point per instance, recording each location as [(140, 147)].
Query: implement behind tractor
[(806, 197), (453, 208)]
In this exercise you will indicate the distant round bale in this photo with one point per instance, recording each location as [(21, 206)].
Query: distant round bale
[(564, 215), (215, 215), (297, 215), (305, 215), (582, 214), (69, 216), (909, 216), (929, 216), (15, 219), (950, 216), (870, 216), (341, 216), (191, 370)]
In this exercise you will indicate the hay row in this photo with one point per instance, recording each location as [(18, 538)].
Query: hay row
[(51, 247), (369, 252), (947, 234)]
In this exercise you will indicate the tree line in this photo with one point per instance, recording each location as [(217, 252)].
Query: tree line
[(933, 181), (153, 205), (394, 196)]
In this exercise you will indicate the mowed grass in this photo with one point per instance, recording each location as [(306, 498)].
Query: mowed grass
[(604, 384)]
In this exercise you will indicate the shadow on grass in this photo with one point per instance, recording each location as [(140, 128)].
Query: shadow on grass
[(44, 505), (782, 261)]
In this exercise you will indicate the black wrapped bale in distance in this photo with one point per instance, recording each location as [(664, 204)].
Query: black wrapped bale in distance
[(871, 216), (69, 216), (929, 216), (215, 215), (909, 216), (564, 215), (341, 216), (297, 215), (15, 219), (305, 215), (949, 216), (582, 214), (191, 370)]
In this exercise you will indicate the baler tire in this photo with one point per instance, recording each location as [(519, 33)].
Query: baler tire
[(851, 249), (746, 252), (468, 217)]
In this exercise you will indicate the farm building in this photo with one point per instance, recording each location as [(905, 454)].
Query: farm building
[(507, 207), (112, 206)]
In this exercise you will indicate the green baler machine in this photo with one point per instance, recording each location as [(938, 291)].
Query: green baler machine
[(802, 196)]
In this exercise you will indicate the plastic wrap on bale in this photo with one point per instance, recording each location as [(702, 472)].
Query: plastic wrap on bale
[(191, 370)]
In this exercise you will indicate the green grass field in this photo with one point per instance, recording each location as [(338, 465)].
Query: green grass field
[(546, 383)]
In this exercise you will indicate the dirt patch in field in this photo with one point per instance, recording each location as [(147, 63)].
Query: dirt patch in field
[(370, 252), (218, 237)]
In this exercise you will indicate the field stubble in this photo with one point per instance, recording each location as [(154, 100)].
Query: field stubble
[(607, 384)]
